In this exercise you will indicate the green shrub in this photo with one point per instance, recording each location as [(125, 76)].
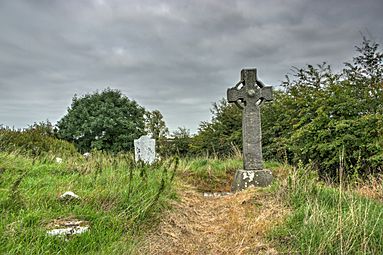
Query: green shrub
[(320, 113), (34, 141)]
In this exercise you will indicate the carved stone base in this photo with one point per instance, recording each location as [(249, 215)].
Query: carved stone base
[(244, 179)]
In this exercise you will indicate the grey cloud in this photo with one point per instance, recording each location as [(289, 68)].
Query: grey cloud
[(175, 56)]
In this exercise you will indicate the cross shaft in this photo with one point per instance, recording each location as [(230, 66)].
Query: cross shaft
[(248, 94)]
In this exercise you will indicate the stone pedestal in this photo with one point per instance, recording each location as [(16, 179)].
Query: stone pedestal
[(244, 179)]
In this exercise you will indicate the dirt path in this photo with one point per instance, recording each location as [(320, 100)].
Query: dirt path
[(232, 224)]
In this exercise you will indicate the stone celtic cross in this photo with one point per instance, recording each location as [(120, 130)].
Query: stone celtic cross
[(248, 94)]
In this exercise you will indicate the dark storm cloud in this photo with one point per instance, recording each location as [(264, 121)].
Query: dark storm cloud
[(175, 56)]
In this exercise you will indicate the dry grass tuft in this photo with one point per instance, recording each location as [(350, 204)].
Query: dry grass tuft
[(234, 224), (372, 188)]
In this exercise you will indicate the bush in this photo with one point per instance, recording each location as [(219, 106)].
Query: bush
[(319, 114), (34, 141)]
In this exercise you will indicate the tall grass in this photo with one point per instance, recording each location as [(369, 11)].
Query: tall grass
[(118, 198), (209, 174), (213, 174), (328, 220)]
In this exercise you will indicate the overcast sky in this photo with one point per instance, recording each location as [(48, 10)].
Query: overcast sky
[(175, 56)]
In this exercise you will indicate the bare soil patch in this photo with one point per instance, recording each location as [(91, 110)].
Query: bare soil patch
[(230, 224)]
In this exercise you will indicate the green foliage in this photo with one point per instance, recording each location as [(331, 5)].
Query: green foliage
[(118, 198), (327, 220), (156, 127), (320, 113), (179, 143), (316, 114), (222, 134), (104, 120), (38, 139)]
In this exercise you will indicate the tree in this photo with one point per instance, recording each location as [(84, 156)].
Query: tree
[(222, 133), (156, 127), (321, 115), (180, 142), (105, 120), (44, 128), (365, 76)]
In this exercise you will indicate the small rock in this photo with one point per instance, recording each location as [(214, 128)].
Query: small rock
[(69, 195), (59, 160), (86, 155)]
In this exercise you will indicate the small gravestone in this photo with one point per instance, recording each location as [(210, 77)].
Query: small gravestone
[(145, 149), (248, 94)]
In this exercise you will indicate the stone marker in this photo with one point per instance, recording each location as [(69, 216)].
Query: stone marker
[(145, 149), (248, 94)]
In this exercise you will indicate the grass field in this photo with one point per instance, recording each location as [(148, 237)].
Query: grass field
[(118, 200), (327, 219), (121, 201)]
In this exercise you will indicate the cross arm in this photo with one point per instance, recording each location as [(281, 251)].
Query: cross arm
[(233, 94), (266, 93)]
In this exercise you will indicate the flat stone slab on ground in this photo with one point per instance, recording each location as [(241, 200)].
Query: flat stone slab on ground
[(217, 194), (67, 227)]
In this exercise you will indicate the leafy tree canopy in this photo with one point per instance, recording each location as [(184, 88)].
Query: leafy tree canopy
[(105, 120), (156, 127), (320, 115), (180, 142), (222, 134)]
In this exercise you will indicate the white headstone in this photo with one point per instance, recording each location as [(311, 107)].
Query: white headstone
[(145, 149)]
